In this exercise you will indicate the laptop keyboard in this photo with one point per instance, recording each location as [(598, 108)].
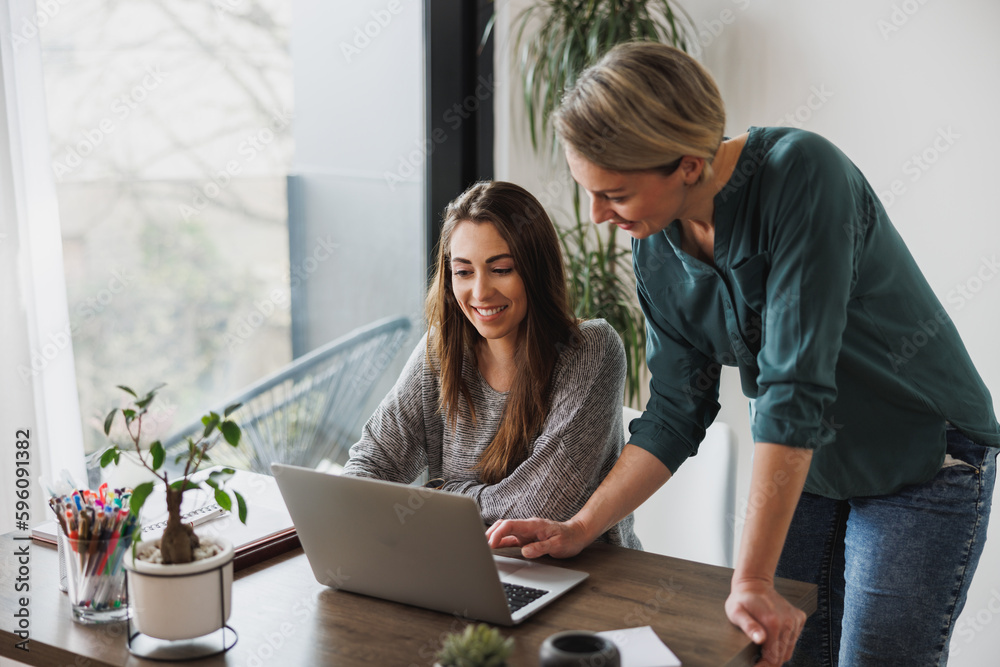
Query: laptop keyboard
[(519, 596)]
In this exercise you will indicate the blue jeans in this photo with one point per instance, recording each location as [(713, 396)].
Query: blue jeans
[(893, 571)]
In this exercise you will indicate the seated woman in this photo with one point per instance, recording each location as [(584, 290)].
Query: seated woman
[(507, 399)]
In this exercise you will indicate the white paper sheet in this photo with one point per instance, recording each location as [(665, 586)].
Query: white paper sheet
[(641, 647)]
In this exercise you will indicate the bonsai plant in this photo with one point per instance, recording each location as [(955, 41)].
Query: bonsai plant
[(555, 41), (476, 646), (181, 595), (179, 540)]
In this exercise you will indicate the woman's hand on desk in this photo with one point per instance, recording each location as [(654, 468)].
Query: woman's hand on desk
[(753, 604), (767, 618), (538, 537)]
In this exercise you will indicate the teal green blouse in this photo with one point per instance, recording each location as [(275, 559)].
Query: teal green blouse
[(816, 299)]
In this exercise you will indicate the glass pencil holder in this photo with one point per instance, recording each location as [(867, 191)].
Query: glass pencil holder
[(61, 543), (95, 578)]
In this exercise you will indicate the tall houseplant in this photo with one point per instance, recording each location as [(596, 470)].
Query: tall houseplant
[(555, 40)]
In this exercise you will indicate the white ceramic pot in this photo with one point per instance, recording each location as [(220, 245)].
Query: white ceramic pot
[(180, 601)]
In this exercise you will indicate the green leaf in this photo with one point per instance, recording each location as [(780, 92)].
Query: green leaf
[(231, 409), (212, 482), (107, 421), (108, 456), (241, 506), (139, 495), (222, 476), (210, 422), (127, 390), (150, 395), (486, 31), (179, 483), (222, 498), (231, 432), (129, 415), (157, 452)]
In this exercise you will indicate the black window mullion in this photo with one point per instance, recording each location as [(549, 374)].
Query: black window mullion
[(460, 87)]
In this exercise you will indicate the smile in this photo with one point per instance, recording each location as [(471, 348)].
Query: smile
[(487, 312)]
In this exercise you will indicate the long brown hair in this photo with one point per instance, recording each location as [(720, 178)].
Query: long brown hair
[(548, 326)]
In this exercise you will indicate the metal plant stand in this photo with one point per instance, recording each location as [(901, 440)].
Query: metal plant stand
[(183, 650)]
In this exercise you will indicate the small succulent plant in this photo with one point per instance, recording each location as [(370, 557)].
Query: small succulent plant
[(476, 646)]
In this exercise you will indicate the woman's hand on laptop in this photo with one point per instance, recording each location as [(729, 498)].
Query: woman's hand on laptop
[(635, 477), (538, 537)]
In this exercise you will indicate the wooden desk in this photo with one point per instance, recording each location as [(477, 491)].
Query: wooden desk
[(285, 619)]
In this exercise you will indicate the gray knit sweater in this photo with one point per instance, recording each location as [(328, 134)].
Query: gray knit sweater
[(579, 443)]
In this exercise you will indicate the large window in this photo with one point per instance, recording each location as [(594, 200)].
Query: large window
[(170, 127), (222, 176)]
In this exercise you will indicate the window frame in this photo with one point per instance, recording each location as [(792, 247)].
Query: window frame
[(457, 71)]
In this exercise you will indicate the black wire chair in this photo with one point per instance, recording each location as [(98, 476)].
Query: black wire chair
[(308, 412)]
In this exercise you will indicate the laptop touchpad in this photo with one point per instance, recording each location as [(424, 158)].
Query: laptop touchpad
[(507, 566)]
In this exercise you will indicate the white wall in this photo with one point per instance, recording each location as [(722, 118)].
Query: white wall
[(895, 75)]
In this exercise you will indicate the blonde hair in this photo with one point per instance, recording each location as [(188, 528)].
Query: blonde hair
[(643, 106)]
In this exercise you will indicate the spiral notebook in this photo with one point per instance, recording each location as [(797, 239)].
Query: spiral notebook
[(195, 517)]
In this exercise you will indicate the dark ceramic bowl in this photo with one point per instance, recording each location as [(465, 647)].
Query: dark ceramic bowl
[(577, 648)]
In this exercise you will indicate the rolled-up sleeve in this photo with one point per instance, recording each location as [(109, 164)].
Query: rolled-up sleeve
[(683, 392), (812, 224)]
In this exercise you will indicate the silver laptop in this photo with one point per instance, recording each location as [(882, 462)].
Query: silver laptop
[(412, 545)]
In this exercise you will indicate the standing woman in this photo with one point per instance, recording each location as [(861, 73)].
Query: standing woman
[(508, 399), (875, 436)]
